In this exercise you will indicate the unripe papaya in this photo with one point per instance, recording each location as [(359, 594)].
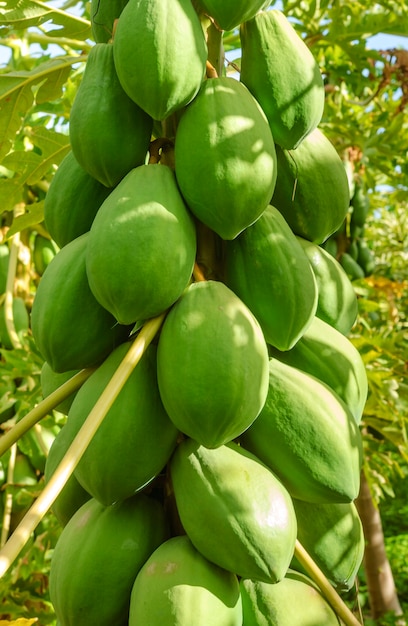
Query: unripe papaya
[(234, 510), (142, 246), (225, 157), (44, 251), (333, 536), (312, 190), (365, 257), (103, 15), (352, 268), (282, 74), (21, 322), (160, 54), (212, 364), (337, 300), (267, 268), (97, 557), (136, 437), (71, 329), (360, 204), (308, 437), (109, 133), (230, 14), (177, 585), (73, 495), (72, 201), (328, 355), (294, 600), (50, 381)]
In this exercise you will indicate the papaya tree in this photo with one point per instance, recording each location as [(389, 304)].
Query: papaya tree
[(168, 180)]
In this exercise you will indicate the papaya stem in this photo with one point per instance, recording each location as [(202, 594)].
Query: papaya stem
[(215, 50), (42, 409), (198, 273), (331, 595), (74, 453), (8, 501), (9, 295)]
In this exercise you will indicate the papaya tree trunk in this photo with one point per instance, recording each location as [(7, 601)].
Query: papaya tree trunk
[(380, 581)]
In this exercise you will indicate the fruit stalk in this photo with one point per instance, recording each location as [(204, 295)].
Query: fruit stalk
[(43, 503)]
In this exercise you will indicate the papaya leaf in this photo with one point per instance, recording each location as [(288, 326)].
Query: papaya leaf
[(34, 214), (17, 93), (21, 14), (10, 193)]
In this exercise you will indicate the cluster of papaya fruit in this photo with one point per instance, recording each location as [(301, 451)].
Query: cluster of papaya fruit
[(348, 244), (191, 193)]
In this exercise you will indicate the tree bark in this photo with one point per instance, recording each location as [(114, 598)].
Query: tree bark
[(380, 581)]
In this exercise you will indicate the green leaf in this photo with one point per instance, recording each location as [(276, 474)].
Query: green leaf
[(34, 215), (21, 14), (17, 93)]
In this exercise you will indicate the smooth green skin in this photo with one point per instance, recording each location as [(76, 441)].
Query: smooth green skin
[(97, 557), (72, 201), (50, 381), (229, 14), (282, 74), (293, 601), (71, 329), (73, 495), (21, 322), (136, 438), (44, 251), (178, 586), (212, 364), (308, 437), (4, 260), (160, 54), (312, 190), (103, 15), (109, 133), (267, 268), (360, 204), (142, 246), (234, 510), (328, 355), (365, 257), (337, 300), (353, 270), (225, 157), (333, 536)]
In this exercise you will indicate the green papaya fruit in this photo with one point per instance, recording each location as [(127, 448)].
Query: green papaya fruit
[(328, 355), (360, 204), (71, 329), (365, 257), (333, 536), (136, 437), (267, 268), (21, 322), (4, 261), (234, 510), (73, 495), (50, 381), (72, 201), (44, 251), (337, 300), (212, 364), (353, 270), (97, 557), (312, 191), (282, 74), (307, 436), (353, 249), (356, 232), (225, 157), (330, 245), (169, 38), (142, 246), (177, 585), (103, 15), (229, 14), (294, 600), (109, 133)]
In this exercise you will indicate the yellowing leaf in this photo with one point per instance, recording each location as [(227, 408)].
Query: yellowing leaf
[(19, 622)]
